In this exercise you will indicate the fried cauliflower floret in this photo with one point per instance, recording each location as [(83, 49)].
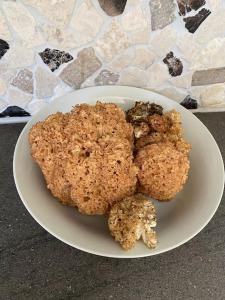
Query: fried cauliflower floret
[(131, 219), (163, 170), (148, 118), (86, 156), (139, 116), (165, 128)]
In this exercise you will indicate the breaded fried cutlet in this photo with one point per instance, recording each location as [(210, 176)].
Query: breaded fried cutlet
[(86, 156)]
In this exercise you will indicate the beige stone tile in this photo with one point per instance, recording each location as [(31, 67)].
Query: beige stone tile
[(86, 64), (112, 42)]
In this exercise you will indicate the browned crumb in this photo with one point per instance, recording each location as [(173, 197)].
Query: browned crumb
[(132, 219), (86, 156), (163, 170)]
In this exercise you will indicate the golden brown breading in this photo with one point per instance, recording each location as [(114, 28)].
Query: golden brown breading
[(183, 146), (47, 140), (86, 156), (132, 219), (163, 170)]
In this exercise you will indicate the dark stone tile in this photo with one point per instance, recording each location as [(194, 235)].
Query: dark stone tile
[(4, 47), (14, 111), (209, 76), (54, 58), (188, 5), (192, 23), (189, 103), (174, 64), (113, 7)]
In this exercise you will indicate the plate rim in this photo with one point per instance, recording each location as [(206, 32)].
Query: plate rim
[(105, 89)]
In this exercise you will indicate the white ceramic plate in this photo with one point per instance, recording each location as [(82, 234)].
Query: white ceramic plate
[(178, 220)]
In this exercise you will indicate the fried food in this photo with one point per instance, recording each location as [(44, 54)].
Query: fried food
[(131, 219), (163, 170), (165, 128), (86, 156), (162, 156), (141, 111)]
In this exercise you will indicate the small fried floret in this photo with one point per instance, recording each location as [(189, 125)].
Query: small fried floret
[(163, 170), (132, 219), (166, 128), (142, 110)]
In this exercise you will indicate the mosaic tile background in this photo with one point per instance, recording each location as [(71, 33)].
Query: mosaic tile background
[(48, 48)]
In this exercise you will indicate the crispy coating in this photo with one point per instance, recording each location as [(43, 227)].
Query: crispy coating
[(158, 123), (165, 128), (153, 138), (132, 219), (163, 170), (86, 156)]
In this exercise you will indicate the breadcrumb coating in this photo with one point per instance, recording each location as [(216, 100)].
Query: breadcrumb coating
[(162, 156), (131, 219), (158, 123), (86, 156), (163, 170)]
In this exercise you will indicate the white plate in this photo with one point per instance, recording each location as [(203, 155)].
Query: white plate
[(178, 220)]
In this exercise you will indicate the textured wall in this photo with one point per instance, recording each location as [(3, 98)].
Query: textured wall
[(48, 48)]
